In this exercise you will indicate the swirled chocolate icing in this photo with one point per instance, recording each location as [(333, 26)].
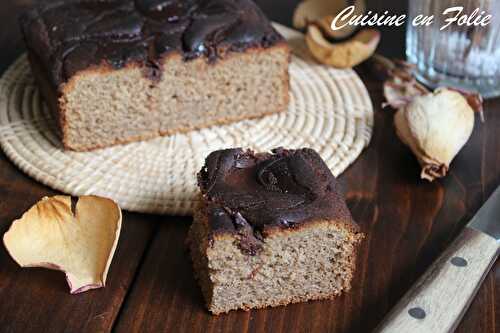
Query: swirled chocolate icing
[(71, 35), (248, 193)]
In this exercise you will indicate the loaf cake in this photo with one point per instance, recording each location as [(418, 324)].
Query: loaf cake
[(115, 71), (270, 229)]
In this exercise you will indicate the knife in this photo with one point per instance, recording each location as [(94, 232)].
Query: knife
[(439, 299)]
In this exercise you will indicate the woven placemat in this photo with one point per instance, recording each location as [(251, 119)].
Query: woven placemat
[(330, 111)]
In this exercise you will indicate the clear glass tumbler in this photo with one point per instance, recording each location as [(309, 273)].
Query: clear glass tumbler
[(465, 57)]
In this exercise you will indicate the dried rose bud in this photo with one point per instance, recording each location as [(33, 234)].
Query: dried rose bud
[(435, 126)]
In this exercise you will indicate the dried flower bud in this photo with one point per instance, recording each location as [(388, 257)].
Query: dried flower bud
[(435, 126)]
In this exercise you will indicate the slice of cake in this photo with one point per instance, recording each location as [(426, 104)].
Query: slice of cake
[(270, 229), (115, 71)]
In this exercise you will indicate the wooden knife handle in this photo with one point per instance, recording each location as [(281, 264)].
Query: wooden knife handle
[(439, 299)]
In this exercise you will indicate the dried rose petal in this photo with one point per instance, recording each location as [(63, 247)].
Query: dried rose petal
[(322, 14), (311, 11), (400, 86), (79, 241), (344, 54)]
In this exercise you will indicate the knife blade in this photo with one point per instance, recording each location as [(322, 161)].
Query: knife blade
[(439, 299), (487, 218)]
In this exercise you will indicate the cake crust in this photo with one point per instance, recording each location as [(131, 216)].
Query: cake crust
[(269, 192), (74, 35)]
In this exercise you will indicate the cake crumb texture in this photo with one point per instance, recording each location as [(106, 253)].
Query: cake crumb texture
[(316, 262)]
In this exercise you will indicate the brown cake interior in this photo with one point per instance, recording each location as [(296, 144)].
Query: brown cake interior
[(188, 95)]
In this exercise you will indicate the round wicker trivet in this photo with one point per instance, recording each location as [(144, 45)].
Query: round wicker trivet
[(329, 111)]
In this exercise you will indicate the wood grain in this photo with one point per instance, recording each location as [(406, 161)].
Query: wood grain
[(439, 299), (408, 223)]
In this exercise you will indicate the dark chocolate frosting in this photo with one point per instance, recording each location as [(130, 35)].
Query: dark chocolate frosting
[(249, 193), (71, 35)]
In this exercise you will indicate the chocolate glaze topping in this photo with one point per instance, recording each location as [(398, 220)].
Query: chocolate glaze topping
[(71, 35), (247, 193)]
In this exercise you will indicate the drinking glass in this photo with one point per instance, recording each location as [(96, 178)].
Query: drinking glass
[(461, 56)]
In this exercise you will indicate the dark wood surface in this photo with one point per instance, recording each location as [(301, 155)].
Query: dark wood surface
[(150, 287)]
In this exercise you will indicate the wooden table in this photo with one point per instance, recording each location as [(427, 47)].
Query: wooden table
[(151, 286)]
